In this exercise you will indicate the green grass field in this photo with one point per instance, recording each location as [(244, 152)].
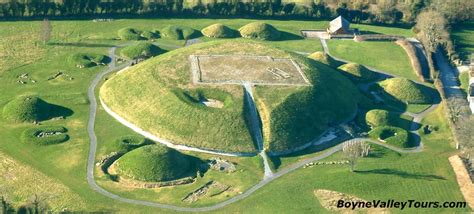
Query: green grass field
[(61, 167), (463, 38), (385, 56)]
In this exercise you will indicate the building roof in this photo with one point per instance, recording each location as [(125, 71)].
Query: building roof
[(339, 23)]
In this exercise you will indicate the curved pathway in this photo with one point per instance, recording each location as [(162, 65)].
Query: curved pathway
[(93, 148)]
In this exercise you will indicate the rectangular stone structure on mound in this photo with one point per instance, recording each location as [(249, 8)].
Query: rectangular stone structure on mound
[(236, 69)]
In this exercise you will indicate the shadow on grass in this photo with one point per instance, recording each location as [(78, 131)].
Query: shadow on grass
[(286, 36), (81, 44), (56, 111), (401, 174)]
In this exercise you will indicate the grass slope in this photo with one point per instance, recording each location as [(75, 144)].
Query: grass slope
[(407, 91), (357, 72), (379, 117), (157, 87), (291, 119), (324, 58), (154, 163), (463, 37)]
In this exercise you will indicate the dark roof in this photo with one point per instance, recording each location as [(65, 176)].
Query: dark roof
[(338, 23)]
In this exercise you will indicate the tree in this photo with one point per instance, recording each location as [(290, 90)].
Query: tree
[(46, 30), (5, 205), (431, 26), (353, 150)]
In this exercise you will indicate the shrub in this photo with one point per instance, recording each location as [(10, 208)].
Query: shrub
[(140, 50), (154, 163), (129, 34), (392, 135), (324, 58), (218, 31), (407, 91), (179, 32), (259, 30), (129, 143), (358, 72), (84, 60), (56, 135), (26, 109)]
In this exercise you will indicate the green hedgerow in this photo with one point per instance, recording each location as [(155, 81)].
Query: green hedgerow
[(141, 50), (26, 109), (154, 163), (259, 30), (45, 135), (392, 135)]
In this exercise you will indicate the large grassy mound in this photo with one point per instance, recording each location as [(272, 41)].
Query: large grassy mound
[(178, 32), (26, 109), (324, 58), (407, 91), (218, 31), (170, 106), (358, 72), (259, 30), (141, 50), (154, 163)]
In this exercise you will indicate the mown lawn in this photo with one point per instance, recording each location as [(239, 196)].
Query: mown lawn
[(463, 38), (385, 56)]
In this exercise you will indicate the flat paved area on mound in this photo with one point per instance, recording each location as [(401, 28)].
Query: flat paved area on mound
[(235, 69)]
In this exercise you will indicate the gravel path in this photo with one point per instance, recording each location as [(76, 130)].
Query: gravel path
[(267, 179)]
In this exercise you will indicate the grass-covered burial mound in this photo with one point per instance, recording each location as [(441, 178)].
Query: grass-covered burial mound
[(179, 32), (260, 30), (173, 108), (406, 91), (218, 31), (379, 117), (26, 109), (45, 135), (130, 142), (392, 135), (154, 163), (129, 34), (324, 58), (84, 60), (358, 72), (141, 50)]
